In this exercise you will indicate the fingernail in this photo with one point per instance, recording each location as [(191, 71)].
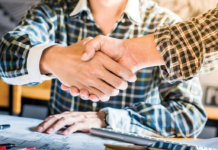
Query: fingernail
[(40, 129), (74, 94), (65, 132), (84, 97), (50, 130), (93, 99), (84, 56)]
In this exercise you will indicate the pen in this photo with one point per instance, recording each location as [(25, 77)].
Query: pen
[(2, 148), (4, 126), (28, 148), (8, 145)]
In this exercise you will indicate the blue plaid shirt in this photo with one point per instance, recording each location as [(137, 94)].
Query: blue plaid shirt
[(150, 106)]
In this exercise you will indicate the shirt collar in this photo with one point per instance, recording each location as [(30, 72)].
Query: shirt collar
[(132, 10)]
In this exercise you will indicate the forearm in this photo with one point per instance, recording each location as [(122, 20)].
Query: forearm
[(189, 48), (144, 51), (21, 48), (169, 119)]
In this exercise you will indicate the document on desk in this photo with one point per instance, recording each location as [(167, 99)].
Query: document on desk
[(23, 135), (208, 143)]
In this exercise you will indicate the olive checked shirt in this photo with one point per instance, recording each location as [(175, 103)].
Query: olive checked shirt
[(150, 106), (189, 48)]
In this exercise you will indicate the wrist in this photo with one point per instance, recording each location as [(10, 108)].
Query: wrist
[(47, 59), (144, 51), (103, 117)]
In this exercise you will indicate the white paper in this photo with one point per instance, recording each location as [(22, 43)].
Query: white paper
[(208, 143), (23, 135)]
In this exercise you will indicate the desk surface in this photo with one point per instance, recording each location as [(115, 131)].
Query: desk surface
[(23, 135)]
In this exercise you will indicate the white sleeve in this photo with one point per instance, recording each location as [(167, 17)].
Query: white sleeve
[(124, 123), (34, 74)]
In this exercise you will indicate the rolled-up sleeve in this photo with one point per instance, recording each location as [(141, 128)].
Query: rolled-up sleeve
[(189, 48), (21, 49)]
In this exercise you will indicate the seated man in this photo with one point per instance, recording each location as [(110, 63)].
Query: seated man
[(45, 42)]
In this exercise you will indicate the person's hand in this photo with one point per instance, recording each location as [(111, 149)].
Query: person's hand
[(133, 54), (74, 121), (100, 76)]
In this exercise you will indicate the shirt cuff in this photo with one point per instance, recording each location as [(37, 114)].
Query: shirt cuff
[(123, 122), (119, 122), (33, 62), (34, 74)]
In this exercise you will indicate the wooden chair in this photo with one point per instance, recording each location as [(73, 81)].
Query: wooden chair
[(212, 116), (10, 98), (36, 95)]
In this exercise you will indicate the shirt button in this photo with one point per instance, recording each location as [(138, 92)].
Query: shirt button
[(94, 104)]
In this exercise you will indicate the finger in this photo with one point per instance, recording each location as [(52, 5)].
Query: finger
[(86, 40), (64, 87), (119, 70), (47, 123), (102, 86), (64, 121), (84, 92), (98, 95), (94, 98), (92, 46), (74, 91), (114, 81), (79, 126)]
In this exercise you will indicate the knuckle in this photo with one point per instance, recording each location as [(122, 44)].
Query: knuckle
[(82, 116), (99, 36), (95, 71), (55, 126), (92, 69), (51, 116), (63, 118), (89, 38), (44, 125), (81, 77), (75, 125)]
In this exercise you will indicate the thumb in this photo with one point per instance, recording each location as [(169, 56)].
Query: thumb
[(92, 46)]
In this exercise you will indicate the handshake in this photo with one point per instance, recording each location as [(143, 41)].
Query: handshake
[(97, 68)]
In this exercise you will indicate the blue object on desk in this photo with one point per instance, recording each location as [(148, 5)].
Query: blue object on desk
[(8, 145), (4, 126)]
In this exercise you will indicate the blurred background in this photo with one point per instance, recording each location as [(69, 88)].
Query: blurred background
[(33, 101)]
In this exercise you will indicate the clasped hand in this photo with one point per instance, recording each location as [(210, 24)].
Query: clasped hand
[(99, 78)]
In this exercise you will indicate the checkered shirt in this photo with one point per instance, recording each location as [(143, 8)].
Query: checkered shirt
[(189, 48), (150, 105)]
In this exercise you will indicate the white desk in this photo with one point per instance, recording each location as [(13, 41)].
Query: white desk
[(23, 135)]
